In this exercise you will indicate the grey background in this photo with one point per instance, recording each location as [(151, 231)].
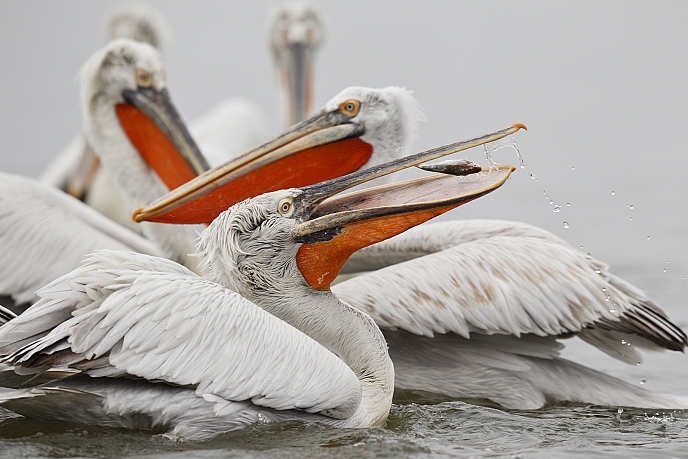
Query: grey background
[(601, 85)]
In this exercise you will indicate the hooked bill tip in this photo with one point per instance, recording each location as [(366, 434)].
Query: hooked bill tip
[(520, 126), (135, 215)]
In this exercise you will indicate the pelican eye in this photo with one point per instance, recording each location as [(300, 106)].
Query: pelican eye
[(286, 207), (143, 79), (350, 107)]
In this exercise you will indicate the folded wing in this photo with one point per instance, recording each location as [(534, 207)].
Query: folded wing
[(126, 314)]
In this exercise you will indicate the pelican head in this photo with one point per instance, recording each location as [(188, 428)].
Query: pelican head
[(289, 242), (358, 128), (296, 31), (138, 22), (130, 121), (388, 117)]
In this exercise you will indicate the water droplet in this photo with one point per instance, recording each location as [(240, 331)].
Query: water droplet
[(604, 289), (642, 381), (523, 166), (606, 298), (613, 311), (623, 341), (557, 208), (664, 270), (684, 277), (598, 271), (631, 218), (566, 225), (630, 206), (573, 168), (588, 256), (667, 262), (581, 247), (613, 193), (637, 363), (568, 204), (551, 201), (532, 176), (648, 238)]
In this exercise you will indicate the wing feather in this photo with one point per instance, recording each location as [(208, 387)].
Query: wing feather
[(45, 233), (507, 285), (226, 346)]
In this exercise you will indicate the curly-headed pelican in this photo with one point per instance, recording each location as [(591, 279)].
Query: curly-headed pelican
[(262, 338)]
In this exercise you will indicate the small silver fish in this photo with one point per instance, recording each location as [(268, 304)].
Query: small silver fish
[(452, 167)]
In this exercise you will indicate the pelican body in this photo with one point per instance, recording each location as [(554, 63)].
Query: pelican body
[(262, 337)]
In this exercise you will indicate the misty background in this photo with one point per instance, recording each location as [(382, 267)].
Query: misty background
[(602, 87)]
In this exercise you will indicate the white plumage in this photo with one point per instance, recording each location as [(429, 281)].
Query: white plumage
[(209, 360), (471, 310), (76, 169), (45, 233)]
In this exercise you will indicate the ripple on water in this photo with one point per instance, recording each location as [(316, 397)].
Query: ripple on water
[(446, 429)]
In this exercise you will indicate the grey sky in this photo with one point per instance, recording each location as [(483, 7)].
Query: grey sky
[(601, 85)]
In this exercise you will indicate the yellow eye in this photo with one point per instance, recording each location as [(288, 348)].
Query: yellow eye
[(143, 79), (350, 107), (286, 207)]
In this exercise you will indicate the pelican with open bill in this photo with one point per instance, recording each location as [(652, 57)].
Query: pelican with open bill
[(202, 199)]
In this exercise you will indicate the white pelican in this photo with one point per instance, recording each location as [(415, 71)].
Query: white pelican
[(76, 169), (160, 347), (143, 144), (296, 31), (467, 298)]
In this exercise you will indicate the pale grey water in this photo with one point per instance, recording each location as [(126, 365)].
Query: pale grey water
[(602, 87)]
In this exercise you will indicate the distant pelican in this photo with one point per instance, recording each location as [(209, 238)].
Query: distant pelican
[(76, 169), (163, 348), (296, 31)]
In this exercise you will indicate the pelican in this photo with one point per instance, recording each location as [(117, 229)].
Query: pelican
[(76, 169), (474, 309), (146, 150), (296, 31), (260, 339)]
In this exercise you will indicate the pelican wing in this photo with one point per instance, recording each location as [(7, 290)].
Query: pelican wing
[(128, 314), (435, 237), (510, 285), (45, 233)]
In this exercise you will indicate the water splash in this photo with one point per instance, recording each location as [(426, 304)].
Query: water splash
[(505, 142)]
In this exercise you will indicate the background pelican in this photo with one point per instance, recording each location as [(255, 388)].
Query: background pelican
[(296, 31)]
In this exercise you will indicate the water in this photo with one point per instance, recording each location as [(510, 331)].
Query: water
[(584, 100), (449, 429)]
